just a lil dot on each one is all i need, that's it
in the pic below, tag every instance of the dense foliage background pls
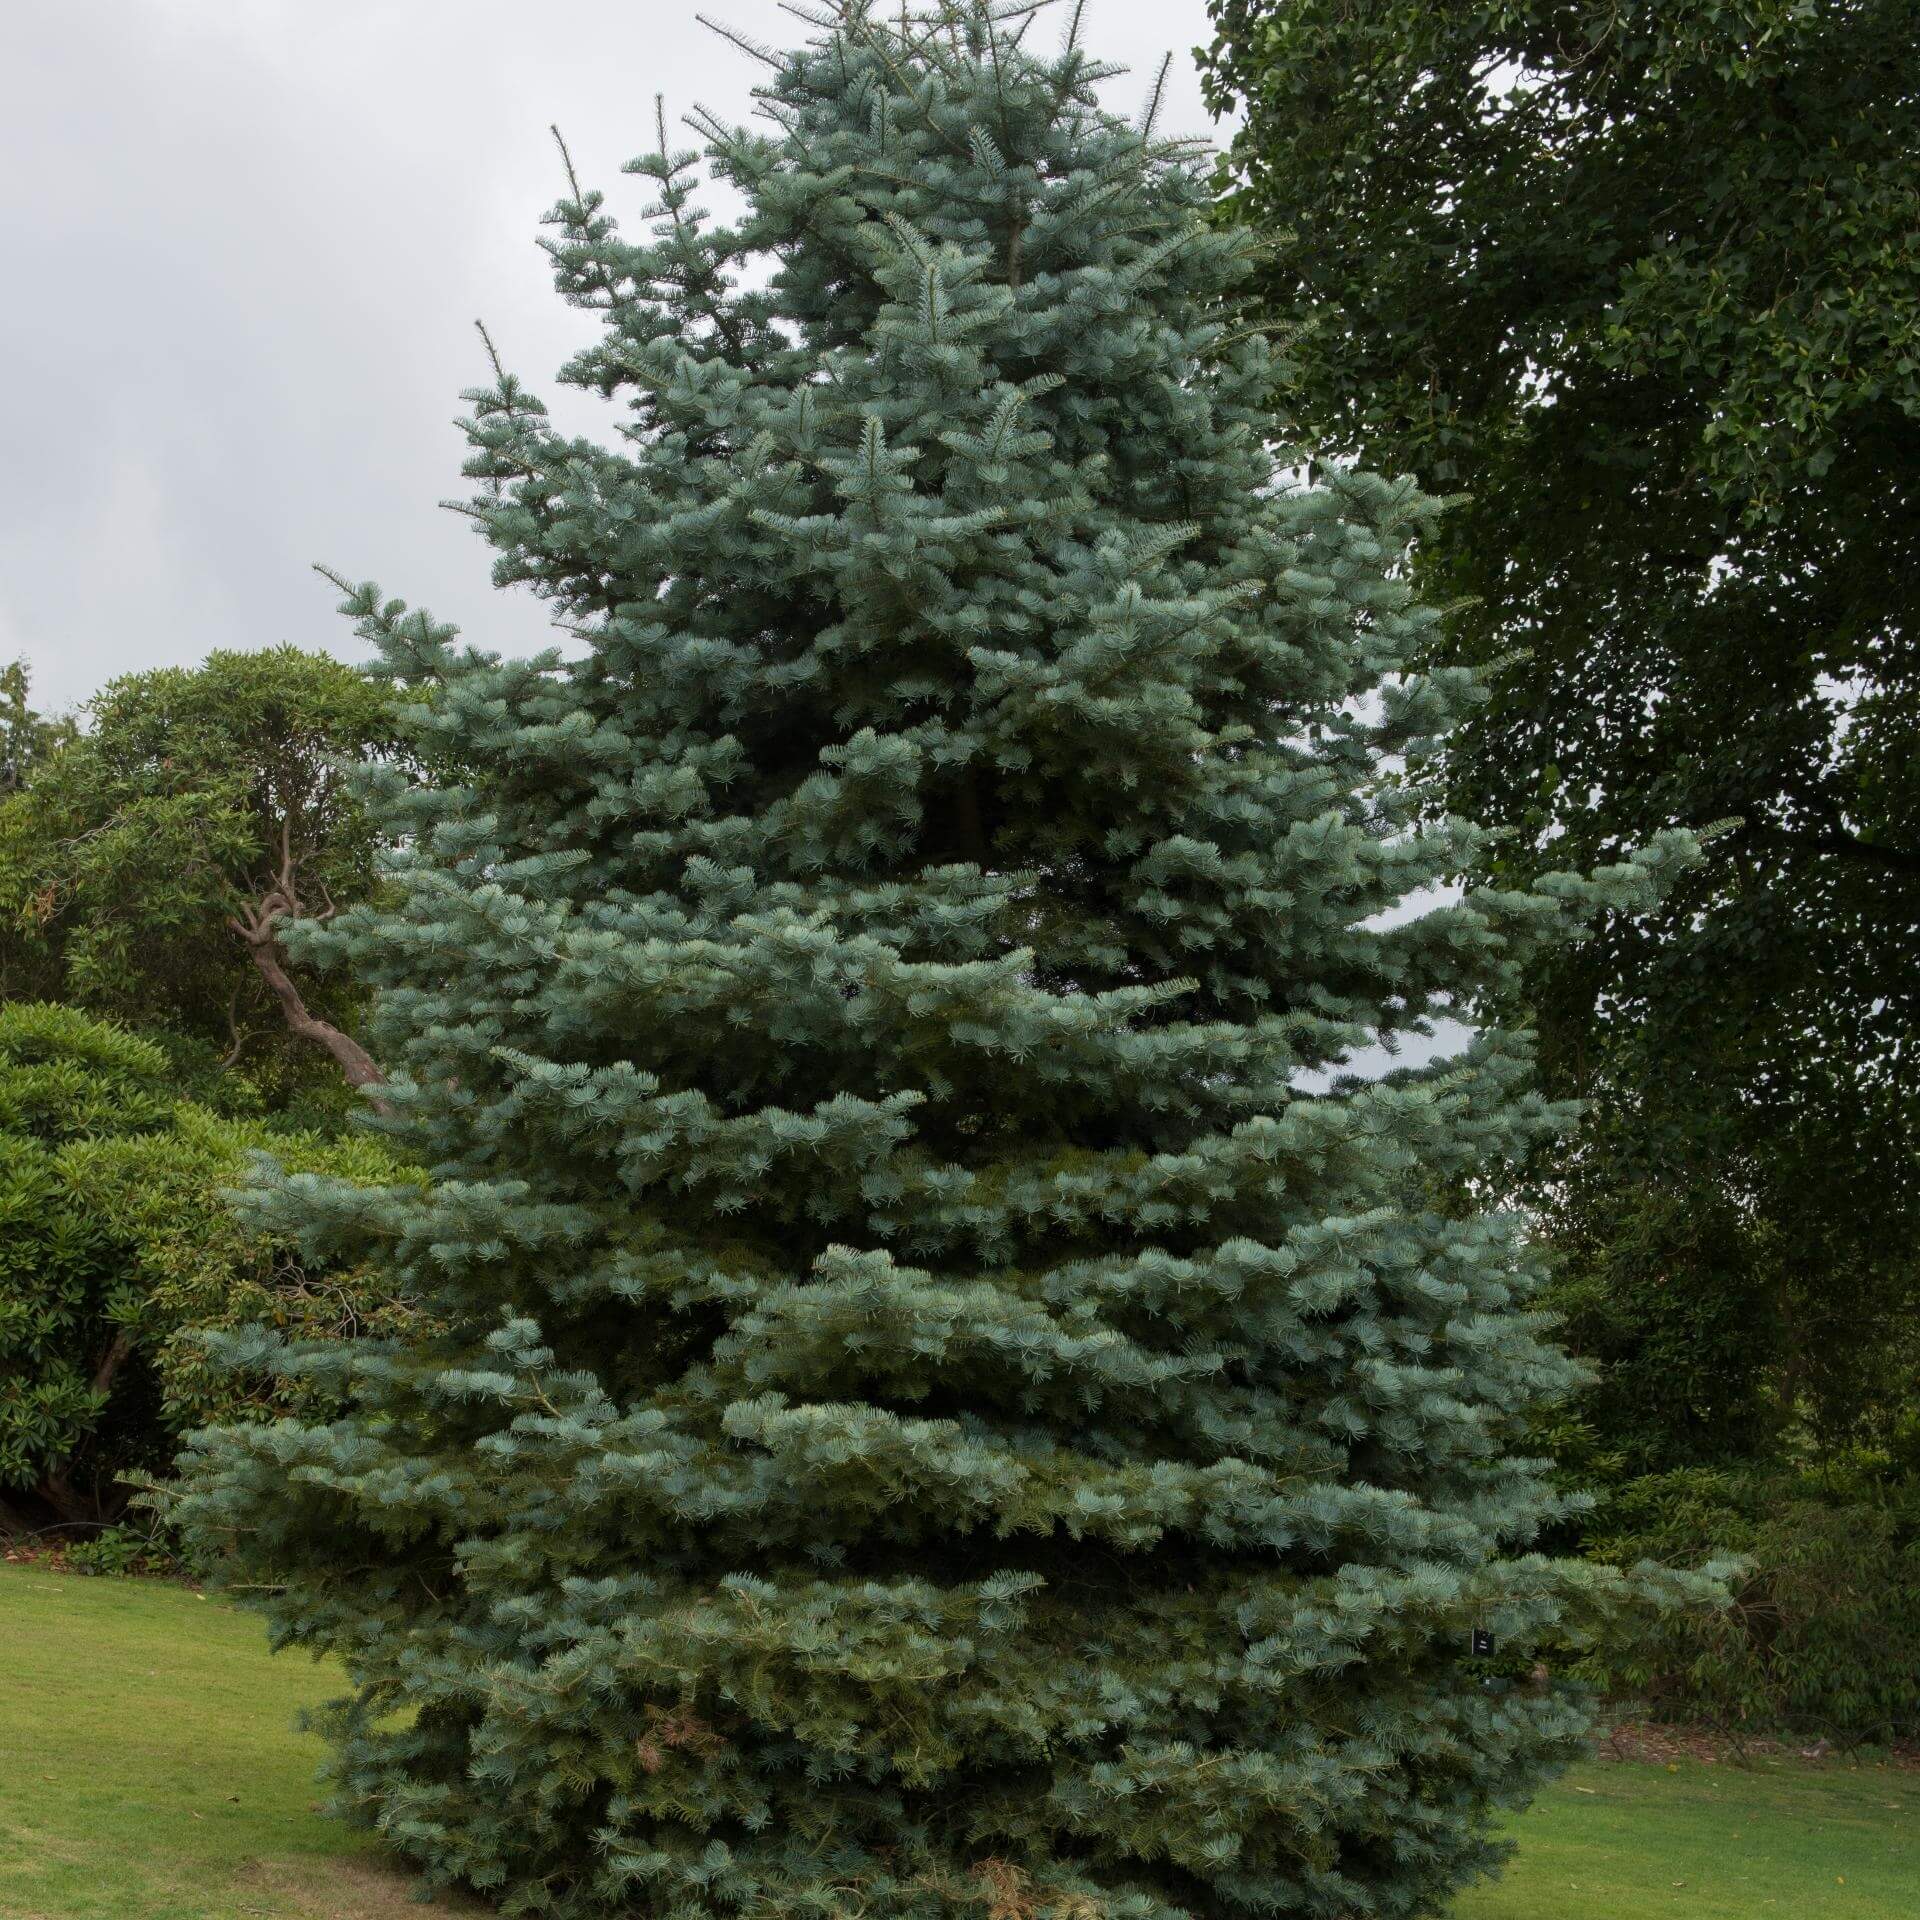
(1640, 284)
(151, 852)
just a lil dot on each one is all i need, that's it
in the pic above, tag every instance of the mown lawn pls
(148, 1767)
(1624, 1841)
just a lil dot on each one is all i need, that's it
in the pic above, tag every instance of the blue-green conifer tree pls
(949, 1405)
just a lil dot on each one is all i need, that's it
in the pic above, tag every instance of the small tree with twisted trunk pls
(151, 868)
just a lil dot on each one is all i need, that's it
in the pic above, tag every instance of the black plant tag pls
(1482, 1642)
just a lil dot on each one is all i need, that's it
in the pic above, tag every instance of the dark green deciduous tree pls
(1642, 282)
(146, 865)
(928, 1411)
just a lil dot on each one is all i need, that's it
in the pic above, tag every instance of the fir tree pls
(949, 1405)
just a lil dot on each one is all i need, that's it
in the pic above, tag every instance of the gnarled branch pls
(258, 925)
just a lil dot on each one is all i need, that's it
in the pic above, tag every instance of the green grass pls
(148, 1767)
(1624, 1841)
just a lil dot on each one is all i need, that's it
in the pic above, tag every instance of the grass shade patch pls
(149, 1766)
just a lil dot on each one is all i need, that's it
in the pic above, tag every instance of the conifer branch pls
(566, 160)
(876, 45)
(754, 49)
(493, 355)
(1151, 111)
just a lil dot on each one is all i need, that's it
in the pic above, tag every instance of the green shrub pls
(1821, 1635)
(79, 1405)
(200, 1270)
(123, 1550)
(119, 1253)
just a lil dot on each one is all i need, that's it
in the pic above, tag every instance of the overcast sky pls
(246, 242)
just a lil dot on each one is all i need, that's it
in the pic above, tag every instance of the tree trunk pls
(117, 1350)
(354, 1061)
(56, 1491)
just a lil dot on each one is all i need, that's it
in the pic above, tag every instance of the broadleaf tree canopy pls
(1641, 283)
